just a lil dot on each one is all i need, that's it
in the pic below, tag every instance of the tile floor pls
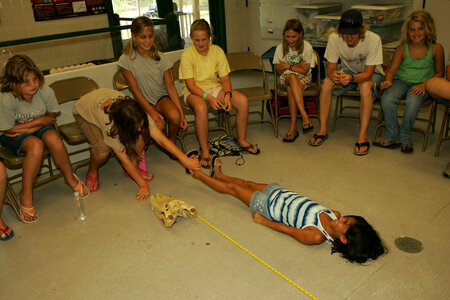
(123, 252)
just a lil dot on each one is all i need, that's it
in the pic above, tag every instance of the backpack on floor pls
(225, 145)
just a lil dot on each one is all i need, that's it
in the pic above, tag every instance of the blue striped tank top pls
(297, 211)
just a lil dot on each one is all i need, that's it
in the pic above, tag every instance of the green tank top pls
(416, 70)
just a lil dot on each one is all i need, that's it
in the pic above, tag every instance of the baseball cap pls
(351, 22)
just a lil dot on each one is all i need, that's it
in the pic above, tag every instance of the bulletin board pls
(44, 10)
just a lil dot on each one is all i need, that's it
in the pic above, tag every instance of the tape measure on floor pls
(257, 258)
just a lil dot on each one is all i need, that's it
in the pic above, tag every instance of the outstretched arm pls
(307, 236)
(167, 144)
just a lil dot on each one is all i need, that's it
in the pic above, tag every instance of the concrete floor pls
(122, 251)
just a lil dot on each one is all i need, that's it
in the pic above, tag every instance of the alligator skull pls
(167, 209)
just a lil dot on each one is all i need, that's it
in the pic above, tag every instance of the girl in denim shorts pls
(28, 111)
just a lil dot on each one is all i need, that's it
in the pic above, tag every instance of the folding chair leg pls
(444, 128)
(336, 111)
(11, 199)
(430, 124)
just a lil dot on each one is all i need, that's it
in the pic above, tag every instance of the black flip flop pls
(290, 137)
(359, 145)
(190, 154)
(316, 137)
(390, 145)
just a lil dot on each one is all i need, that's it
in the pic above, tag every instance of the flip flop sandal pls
(214, 159)
(251, 146)
(81, 188)
(359, 145)
(94, 181)
(317, 137)
(290, 137)
(308, 128)
(191, 154)
(389, 145)
(29, 211)
(4, 236)
(407, 148)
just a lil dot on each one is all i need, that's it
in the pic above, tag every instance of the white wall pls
(440, 10)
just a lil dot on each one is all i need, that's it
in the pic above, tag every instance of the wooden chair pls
(221, 118)
(443, 133)
(312, 91)
(249, 61)
(68, 90)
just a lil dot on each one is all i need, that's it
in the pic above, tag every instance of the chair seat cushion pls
(72, 134)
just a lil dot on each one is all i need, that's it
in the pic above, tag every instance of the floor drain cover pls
(408, 244)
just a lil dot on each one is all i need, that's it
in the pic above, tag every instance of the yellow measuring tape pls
(257, 258)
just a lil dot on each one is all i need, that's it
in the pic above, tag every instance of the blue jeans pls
(389, 101)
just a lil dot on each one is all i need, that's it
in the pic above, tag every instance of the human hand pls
(304, 65)
(282, 66)
(258, 218)
(47, 120)
(158, 119)
(345, 79)
(183, 123)
(143, 193)
(215, 103)
(336, 77)
(227, 105)
(418, 90)
(192, 164)
(385, 85)
(11, 133)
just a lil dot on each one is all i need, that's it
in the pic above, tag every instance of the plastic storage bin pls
(307, 12)
(381, 14)
(325, 25)
(389, 32)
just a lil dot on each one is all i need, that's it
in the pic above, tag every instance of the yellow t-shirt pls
(206, 70)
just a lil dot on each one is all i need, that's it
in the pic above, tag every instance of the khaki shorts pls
(93, 134)
(212, 91)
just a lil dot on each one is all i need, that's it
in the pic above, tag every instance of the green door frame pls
(217, 19)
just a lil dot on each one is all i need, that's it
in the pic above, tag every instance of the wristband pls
(144, 186)
(204, 96)
(353, 78)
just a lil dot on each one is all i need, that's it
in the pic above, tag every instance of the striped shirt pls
(297, 211)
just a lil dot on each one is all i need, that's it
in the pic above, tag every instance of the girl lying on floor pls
(305, 220)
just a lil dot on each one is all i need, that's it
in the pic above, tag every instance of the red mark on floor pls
(193, 244)
(207, 244)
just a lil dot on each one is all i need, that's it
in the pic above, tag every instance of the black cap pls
(351, 22)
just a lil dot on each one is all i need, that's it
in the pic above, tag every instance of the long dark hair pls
(363, 242)
(129, 121)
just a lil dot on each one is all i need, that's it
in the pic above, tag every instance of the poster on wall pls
(57, 9)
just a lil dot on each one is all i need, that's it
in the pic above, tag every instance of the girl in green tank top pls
(417, 59)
